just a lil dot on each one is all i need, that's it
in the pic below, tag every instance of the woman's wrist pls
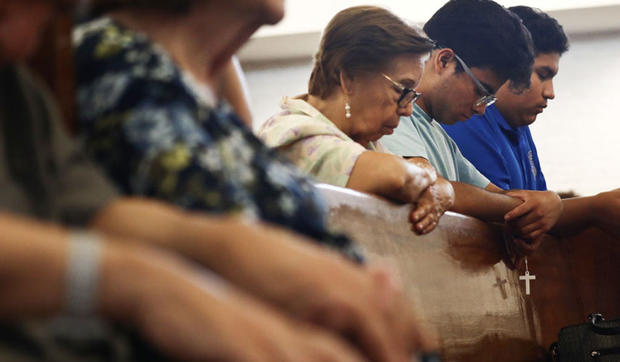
(124, 276)
(33, 262)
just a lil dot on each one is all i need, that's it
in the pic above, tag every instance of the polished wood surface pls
(461, 280)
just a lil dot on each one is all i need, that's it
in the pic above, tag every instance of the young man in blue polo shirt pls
(500, 145)
(499, 142)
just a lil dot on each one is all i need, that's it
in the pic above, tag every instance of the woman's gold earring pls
(347, 110)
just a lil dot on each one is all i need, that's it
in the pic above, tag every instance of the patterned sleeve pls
(155, 137)
(328, 159)
(314, 144)
(139, 119)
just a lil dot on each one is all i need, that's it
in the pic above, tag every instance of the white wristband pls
(83, 273)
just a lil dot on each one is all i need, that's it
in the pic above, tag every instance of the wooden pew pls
(460, 279)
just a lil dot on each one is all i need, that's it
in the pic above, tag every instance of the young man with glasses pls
(500, 145)
(480, 46)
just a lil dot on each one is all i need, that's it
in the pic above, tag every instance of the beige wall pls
(578, 135)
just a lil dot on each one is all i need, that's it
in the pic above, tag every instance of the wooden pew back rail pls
(460, 281)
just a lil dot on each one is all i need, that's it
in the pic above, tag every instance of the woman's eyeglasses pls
(407, 95)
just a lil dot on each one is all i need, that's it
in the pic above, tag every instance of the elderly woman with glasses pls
(363, 82)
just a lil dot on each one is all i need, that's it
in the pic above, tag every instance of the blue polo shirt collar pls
(494, 113)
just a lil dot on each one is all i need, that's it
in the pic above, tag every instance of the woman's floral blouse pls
(155, 134)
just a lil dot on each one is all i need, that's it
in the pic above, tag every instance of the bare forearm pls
(389, 176)
(32, 267)
(33, 271)
(213, 241)
(582, 212)
(134, 276)
(143, 220)
(482, 204)
(194, 235)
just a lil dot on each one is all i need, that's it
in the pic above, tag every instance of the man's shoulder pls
(437, 134)
(476, 132)
(407, 129)
(475, 124)
(408, 139)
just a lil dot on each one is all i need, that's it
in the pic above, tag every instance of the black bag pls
(598, 340)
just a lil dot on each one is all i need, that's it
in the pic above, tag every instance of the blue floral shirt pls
(144, 121)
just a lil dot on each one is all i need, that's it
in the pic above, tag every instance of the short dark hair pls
(485, 35)
(362, 39)
(548, 35)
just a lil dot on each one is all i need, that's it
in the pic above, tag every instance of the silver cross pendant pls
(527, 277)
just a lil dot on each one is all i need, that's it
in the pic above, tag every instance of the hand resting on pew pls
(287, 270)
(577, 214)
(538, 213)
(184, 312)
(432, 203)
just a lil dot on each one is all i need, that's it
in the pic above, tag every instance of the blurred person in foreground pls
(123, 271)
